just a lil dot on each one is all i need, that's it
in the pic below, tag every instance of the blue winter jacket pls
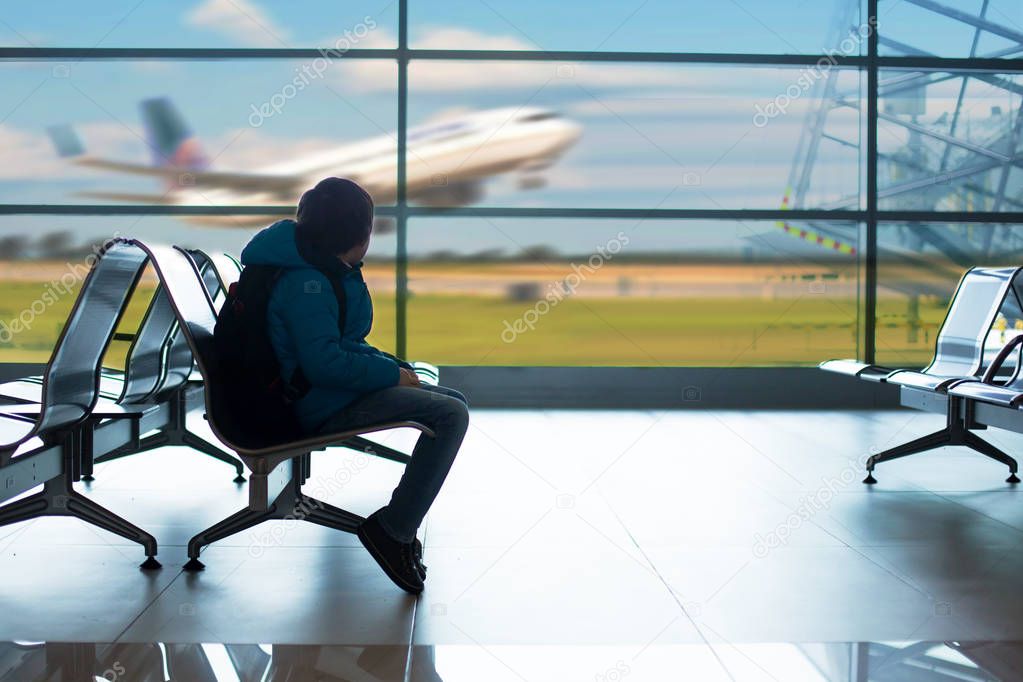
(303, 327)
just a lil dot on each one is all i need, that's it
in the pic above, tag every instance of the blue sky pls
(746, 26)
(645, 126)
(725, 25)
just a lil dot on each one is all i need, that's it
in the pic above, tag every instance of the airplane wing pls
(69, 146)
(198, 178)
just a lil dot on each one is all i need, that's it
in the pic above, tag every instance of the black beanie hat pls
(333, 216)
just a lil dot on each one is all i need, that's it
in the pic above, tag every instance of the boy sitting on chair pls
(351, 383)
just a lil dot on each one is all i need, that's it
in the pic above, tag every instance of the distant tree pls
(445, 255)
(13, 247)
(539, 253)
(487, 255)
(54, 244)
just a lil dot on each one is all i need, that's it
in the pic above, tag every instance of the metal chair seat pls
(986, 393)
(921, 380)
(853, 368)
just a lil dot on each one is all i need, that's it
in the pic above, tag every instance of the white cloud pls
(27, 154)
(240, 21)
(461, 76)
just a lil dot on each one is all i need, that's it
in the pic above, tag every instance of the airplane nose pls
(569, 134)
(574, 131)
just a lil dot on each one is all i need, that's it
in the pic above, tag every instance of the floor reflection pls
(208, 662)
(213, 662)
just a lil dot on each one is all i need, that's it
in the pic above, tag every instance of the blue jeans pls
(444, 410)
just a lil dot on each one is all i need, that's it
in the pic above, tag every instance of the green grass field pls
(469, 329)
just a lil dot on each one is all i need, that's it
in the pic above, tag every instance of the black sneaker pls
(417, 552)
(396, 558)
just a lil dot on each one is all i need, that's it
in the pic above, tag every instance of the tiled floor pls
(565, 545)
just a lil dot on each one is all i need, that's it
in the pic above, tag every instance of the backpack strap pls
(298, 385)
(337, 284)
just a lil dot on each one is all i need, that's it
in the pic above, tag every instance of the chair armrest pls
(427, 373)
(996, 364)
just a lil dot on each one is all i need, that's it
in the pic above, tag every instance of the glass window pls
(655, 26)
(43, 260)
(919, 266)
(647, 293)
(966, 28)
(626, 135)
(535, 134)
(950, 141)
(200, 23)
(200, 133)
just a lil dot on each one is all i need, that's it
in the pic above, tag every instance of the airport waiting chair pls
(277, 471)
(962, 353)
(994, 402)
(145, 368)
(153, 385)
(173, 395)
(43, 443)
(960, 345)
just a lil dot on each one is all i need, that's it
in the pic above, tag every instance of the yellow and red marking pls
(810, 235)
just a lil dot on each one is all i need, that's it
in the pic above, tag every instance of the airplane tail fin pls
(169, 137)
(66, 141)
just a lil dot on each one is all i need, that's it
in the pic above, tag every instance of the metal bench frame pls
(171, 389)
(956, 359)
(153, 389)
(68, 404)
(989, 402)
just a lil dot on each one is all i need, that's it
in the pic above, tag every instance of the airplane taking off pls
(448, 159)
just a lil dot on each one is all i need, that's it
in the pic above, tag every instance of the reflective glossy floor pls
(566, 545)
(209, 662)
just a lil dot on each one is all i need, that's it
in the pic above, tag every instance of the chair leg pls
(59, 498)
(376, 449)
(204, 446)
(83, 508)
(985, 448)
(316, 511)
(157, 440)
(290, 504)
(24, 509)
(236, 523)
(186, 438)
(922, 444)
